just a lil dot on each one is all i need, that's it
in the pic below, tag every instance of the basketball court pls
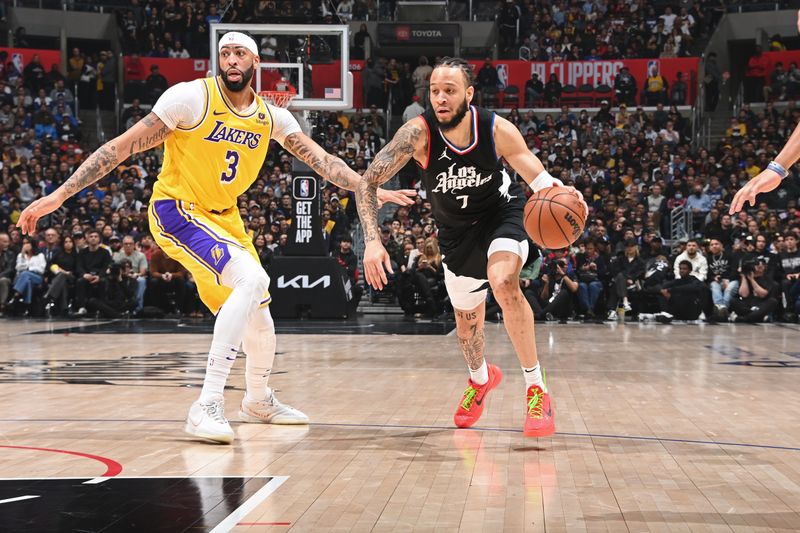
(659, 428)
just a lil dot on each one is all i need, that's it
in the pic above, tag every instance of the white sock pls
(259, 346)
(249, 282)
(481, 375)
(533, 376)
(221, 357)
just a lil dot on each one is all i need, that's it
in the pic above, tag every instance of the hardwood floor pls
(659, 428)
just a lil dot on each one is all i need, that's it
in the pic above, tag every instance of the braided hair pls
(461, 64)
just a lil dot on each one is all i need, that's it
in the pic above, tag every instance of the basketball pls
(554, 217)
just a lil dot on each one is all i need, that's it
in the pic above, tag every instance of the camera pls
(748, 266)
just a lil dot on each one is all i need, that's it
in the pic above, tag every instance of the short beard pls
(455, 121)
(243, 83)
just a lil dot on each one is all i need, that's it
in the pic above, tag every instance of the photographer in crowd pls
(755, 300)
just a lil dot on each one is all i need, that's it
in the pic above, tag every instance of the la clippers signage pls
(305, 234)
(595, 73)
(389, 34)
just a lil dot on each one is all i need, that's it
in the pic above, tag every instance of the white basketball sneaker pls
(270, 411)
(207, 421)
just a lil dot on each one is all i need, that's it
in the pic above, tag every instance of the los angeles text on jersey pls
(461, 178)
(233, 135)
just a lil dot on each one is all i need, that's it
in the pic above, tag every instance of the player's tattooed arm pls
(154, 135)
(326, 165)
(410, 139)
(144, 135)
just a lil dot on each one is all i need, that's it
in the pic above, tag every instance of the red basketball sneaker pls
(471, 407)
(539, 418)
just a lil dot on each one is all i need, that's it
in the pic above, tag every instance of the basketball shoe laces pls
(535, 405)
(469, 398)
(216, 411)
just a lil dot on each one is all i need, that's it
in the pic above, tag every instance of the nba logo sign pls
(502, 75)
(304, 188)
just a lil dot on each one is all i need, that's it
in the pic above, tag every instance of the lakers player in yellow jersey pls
(216, 133)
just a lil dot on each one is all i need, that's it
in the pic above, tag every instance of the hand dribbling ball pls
(555, 217)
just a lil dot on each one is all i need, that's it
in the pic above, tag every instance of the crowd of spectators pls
(632, 166)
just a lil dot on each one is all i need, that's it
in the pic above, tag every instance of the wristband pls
(778, 169)
(544, 180)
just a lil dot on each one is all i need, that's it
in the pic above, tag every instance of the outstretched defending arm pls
(411, 140)
(144, 135)
(770, 177)
(335, 170)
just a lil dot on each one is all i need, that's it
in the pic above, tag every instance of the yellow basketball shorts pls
(201, 242)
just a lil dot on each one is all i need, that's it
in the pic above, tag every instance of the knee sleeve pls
(244, 271)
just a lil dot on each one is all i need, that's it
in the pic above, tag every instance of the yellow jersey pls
(213, 162)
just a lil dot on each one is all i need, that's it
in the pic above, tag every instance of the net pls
(278, 98)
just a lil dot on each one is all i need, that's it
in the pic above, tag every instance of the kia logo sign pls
(303, 282)
(403, 33)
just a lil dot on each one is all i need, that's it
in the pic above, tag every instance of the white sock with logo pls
(259, 347)
(221, 357)
(533, 376)
(481, 375)
(249, 282)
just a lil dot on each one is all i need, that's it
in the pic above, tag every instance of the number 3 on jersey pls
(232, 158)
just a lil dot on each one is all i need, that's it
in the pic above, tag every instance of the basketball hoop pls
(278, 98)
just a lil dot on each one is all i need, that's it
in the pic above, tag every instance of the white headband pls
(234, 38)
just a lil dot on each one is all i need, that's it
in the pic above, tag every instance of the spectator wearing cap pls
(722, 276)
(414, 109)
(138, 270)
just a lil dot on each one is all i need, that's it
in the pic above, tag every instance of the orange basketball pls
(554, 217)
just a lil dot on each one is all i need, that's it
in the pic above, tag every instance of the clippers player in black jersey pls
(479, 212)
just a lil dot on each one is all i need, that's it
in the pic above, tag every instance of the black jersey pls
(467, 185)
(474, 199)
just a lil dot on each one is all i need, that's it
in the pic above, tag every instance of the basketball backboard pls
(312, 58)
